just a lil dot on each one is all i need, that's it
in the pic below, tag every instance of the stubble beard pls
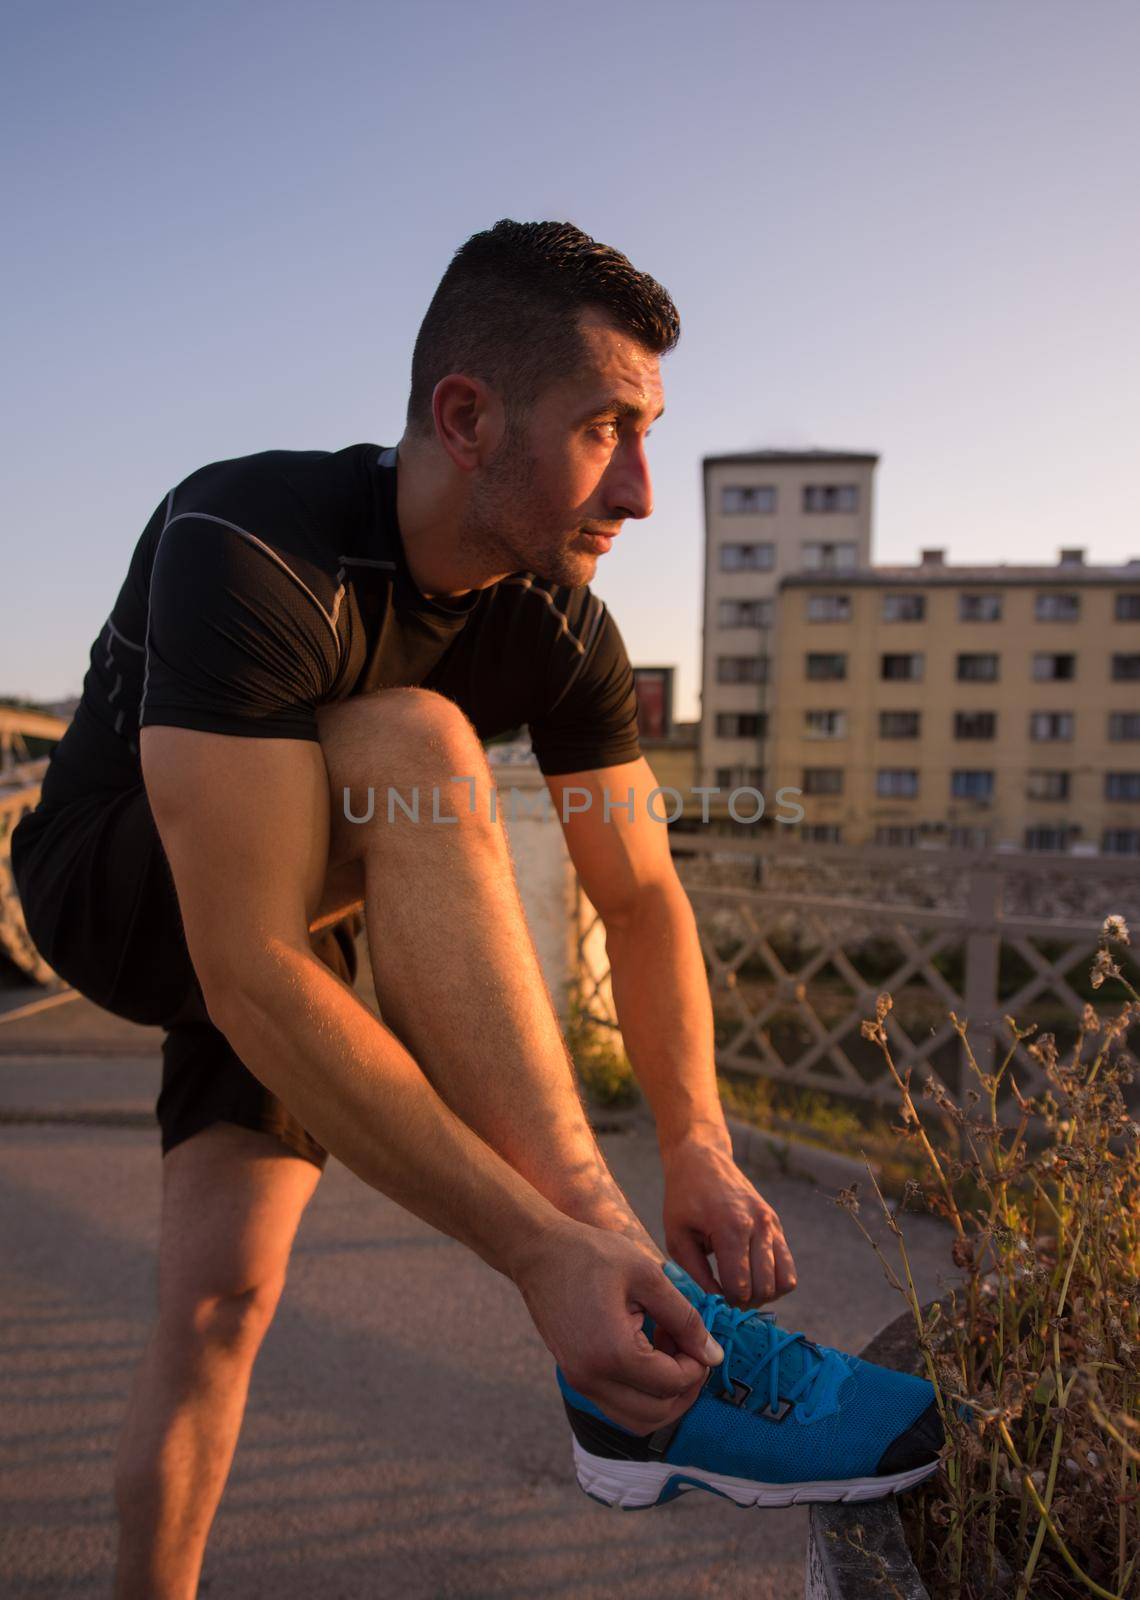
(505, 521)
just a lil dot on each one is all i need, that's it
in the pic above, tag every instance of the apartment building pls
(768, 514)
(973, 706)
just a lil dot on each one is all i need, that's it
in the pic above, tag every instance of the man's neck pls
(429, 519)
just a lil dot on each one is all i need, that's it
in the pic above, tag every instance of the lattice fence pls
(793, 974)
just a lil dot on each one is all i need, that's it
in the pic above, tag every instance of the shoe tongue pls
(794, 1359)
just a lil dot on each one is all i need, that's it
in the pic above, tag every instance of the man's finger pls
(734, 1266)
(681, 1320)
(688, 1252)
(763, 1267)
(785, 1266)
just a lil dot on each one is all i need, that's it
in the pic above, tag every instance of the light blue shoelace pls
(814, 1394)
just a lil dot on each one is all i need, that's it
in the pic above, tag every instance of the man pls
(294, 629)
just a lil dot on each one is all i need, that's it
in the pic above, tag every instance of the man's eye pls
(601, 426)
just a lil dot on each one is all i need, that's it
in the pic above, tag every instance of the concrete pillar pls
(557, 911)
(548, 884)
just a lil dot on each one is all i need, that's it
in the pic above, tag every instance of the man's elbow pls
(238, 983)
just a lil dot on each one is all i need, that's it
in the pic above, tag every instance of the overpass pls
(17, 726)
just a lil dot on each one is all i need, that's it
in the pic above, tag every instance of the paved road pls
(404, 1433)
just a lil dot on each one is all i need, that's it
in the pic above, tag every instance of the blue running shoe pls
(780, 1422)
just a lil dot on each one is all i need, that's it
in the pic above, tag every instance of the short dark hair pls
(506, 311)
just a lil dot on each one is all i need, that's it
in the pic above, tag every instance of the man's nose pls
(629, 491)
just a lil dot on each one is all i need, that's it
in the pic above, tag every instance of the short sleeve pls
(593, 721)
(235, 642)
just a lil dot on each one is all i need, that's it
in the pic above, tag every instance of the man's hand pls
(711, 1206)
(588, 1291)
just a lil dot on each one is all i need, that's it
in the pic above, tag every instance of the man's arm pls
(656, 965)
(664, 1009)
(245, 826)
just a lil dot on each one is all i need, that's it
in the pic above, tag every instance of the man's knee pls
(401, 753)
(196, 1328)
(232, 1322)
(405, 727)
(232, 1200)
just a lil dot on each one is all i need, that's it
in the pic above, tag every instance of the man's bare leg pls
(231, 1202)
(456, 972)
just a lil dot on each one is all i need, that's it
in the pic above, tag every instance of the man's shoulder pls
(274, 477)
(307, 505)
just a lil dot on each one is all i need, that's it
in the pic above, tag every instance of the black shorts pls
(99, 900)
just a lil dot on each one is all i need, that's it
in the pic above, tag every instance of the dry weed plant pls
(1035, 1351)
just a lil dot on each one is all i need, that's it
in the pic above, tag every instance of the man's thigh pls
(231, 1202)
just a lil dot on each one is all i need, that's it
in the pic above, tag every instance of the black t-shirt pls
(267, 585)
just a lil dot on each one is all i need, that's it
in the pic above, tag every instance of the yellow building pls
(973, 706)
(768, 513)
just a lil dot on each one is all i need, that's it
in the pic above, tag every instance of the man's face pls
(576, 469)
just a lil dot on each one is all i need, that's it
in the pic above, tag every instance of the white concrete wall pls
(557, 911)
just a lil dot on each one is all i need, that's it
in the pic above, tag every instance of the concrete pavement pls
(404, 1434)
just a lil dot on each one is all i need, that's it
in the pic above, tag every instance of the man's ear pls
(470, 420)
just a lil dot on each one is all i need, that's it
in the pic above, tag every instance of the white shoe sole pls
(632, 1485)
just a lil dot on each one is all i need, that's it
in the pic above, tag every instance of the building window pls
(825, 724)
(1122, 786)
(740, 499)
(1048, 838)
(741, 725)
(969, 838)
(742, 669)
(971, 784)
(1121, 842)
(896, 783)
(829, 608)
(1054, 606)
(819, 665)
(975, 724)
(901, 838)
(831, 497)
(904, 607)
(822, 832)
(1124, 724)
(823, 780)
(1046, 725)
(740, 777)
(1125, 669)
(747, 557)
(830, 557)
(1047, 786)
(979, 608)
(745, 613)
(973, 668)
(899, 724)
(1048, 668)
(1128, 608)
(893, 668)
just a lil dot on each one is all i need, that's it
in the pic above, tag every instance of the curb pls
(753, 1146)
(764, 1147)
(854, 1551)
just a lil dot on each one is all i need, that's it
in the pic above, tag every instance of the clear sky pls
(910, 226)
